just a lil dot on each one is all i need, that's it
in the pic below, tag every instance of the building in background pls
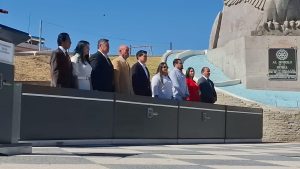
(31, 45)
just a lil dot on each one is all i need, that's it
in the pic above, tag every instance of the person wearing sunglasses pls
(161, 84)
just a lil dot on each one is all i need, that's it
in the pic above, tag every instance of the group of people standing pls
(98, 72)
(176, 85)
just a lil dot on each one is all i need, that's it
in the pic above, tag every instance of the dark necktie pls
(147, 74)
(210, 84)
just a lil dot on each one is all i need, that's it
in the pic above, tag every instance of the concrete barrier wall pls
(145, 118)
(10, 113)
(201, 121)
(51, 113)
(62, 114)
(243, 123)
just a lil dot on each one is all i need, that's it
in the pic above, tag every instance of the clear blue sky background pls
(185, 23)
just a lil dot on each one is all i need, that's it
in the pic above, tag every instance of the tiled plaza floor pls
(211, 156)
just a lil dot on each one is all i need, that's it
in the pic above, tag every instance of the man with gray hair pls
(102, 74)
(207, 87)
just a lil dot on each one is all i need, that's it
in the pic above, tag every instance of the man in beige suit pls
(122, 72)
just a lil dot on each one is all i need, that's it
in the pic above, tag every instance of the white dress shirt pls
(144, 67)
(63, 49)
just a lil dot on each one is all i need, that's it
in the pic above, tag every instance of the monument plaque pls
(282, 64)
(6, 52)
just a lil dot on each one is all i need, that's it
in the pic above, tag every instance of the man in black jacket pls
(207, 87)
(140, 75)
(102, 69)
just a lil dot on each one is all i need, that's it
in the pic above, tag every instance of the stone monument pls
(257, 41)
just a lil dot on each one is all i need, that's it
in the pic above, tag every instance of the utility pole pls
(40, 36)
(29, 20)
(171, 45)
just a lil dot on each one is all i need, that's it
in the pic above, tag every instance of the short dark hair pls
(175, 61)
(100, 41)
(140, 53)
(62, 37)
(203, 69)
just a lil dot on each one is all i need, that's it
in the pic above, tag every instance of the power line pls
(107, 36)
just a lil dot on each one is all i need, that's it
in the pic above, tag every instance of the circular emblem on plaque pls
(282, 54)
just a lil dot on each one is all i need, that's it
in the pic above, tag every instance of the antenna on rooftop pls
(29, 22)
(149, 47)
(40, 36)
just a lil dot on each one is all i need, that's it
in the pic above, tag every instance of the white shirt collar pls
(63, 49)
(204, 77)
(144, 65)
(103, 54)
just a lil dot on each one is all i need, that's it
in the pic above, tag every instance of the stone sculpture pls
(279, 15)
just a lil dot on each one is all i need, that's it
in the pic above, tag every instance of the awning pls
(12, 35)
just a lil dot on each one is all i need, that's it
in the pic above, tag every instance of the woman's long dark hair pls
(79, 50)
(159, 70)
(187, 73)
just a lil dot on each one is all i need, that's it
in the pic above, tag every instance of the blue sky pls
(185, 23)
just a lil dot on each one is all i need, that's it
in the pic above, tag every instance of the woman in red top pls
(193, 87)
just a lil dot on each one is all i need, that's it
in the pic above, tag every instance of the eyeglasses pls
(165, 67)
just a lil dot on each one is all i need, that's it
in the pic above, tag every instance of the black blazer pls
(140, 81)
(61, 70)
(208, 92)
(102, 74)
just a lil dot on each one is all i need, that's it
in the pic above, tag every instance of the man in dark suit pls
(60, 64)
(207, 87)
(102, 69)
(140, 75)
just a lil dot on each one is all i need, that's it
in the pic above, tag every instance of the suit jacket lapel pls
(127, 65)
(210, 83)
(108, 60)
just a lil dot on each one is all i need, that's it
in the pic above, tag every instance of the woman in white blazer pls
(81, 66)
(161, 84)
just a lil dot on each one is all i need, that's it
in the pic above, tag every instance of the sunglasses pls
(165, 67)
